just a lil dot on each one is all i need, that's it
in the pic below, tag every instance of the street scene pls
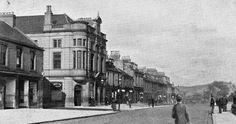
(117, 62)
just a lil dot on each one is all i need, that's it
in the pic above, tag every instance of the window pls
(32, 60)
(84, 59)
(79, 42)
(56, 43)
(74, 42)
(101, 65)
(57, 60)
(18, 57)
(74, 59)
(79, 59)
(84, 42)
(3, 52)
(91, 62)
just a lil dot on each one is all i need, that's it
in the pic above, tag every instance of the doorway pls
(77, 95)
(2, 94)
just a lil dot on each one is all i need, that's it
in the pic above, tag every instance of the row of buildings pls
(52, 60)
(139, 84)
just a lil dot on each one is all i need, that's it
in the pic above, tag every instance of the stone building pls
(124, 63)
(75, 54)
(21, 67)
(118, 83)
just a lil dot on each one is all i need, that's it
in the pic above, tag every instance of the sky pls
(192, 41)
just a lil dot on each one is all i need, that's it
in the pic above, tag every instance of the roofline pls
(22, 44)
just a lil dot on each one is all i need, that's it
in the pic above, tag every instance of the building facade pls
(75, 54)
(21, 67)
(118, 83)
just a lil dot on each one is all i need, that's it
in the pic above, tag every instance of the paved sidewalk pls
(25, 115)
(108, 107)
(224, 117)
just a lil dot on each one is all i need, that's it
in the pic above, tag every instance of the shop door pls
(77, 95)
(33, 89)
(2, 94)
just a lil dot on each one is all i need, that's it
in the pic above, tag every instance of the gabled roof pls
(34, 24)
(13, 34)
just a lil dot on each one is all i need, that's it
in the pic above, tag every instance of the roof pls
(13, 34)
(34, 24)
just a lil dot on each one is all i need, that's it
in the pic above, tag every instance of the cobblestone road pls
(198, 114)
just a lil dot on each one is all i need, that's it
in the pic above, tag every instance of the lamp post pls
(102, 94)
(119, 91)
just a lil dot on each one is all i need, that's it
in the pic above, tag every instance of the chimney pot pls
(49, 8)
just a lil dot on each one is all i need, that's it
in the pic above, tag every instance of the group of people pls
(221, 102)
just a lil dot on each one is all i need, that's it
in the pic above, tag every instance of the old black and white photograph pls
(117, 61)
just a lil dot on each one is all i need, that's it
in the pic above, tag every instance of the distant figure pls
(219, 104)
(179, 112)
(224, 103)
(153, 101)
(113, 104)
(129, 100)
(106, 100)
(212, 104)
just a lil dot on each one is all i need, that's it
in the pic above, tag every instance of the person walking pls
(212, 104)
(220, 104)
(179, 112)
(224, 103)
(153, 101)
(129, 100)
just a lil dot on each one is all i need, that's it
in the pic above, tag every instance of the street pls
(158, 115)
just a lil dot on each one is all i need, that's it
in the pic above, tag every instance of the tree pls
(223, 88)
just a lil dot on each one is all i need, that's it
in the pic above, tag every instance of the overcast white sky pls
(193, 41)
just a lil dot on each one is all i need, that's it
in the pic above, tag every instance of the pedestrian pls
(179, 112)
(113, 104)
(220, 104)
(129, 102)
(212, 104)
(224, 103)
(153, 101)
(106, 100)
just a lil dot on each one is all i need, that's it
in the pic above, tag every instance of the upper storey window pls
(57, 60)
(79, 42)
(32, 60)
(3, 54)
(56, 43)
(18, 57)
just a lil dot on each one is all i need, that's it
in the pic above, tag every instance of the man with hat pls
(179, 112)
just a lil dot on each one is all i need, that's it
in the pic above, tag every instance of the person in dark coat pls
(212, 104)
(220, 103)
(153, 101)
(224, 103)
(179, 112)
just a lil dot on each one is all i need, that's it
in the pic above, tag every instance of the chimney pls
(48, 18)
(9, 18)
(115, 55)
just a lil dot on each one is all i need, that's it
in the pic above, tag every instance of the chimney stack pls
(48, 18)
(9, 18)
